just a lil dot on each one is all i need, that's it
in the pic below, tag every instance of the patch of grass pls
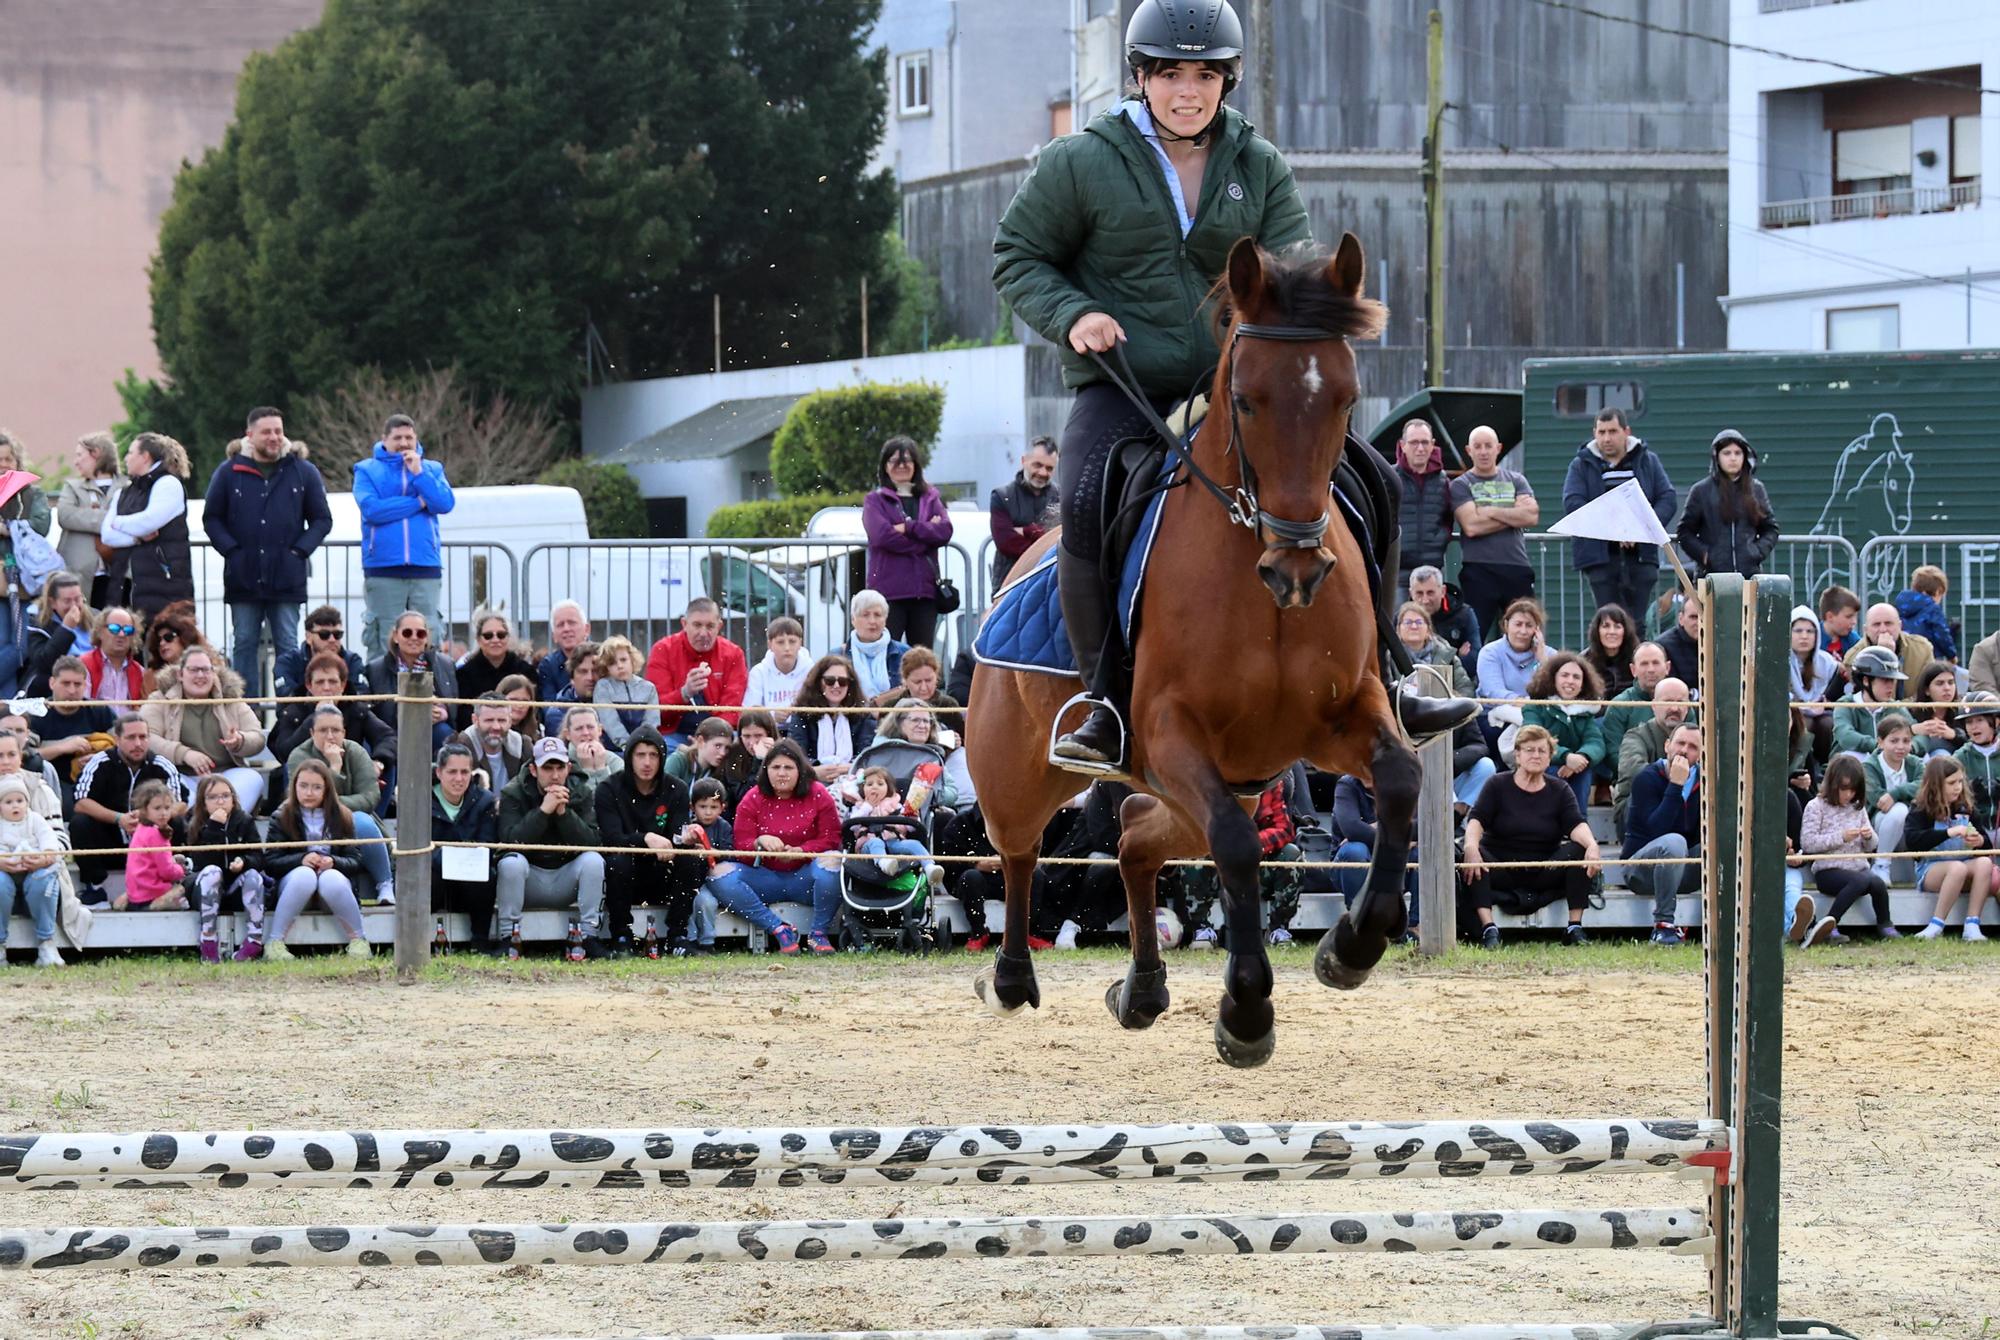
(68, 1101)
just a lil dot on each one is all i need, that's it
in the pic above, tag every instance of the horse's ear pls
(1246, 275)
(1347, 267)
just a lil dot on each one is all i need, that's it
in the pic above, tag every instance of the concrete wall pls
(100, 101)
(985, 426)
(1942, 270)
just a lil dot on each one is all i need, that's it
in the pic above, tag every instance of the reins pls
(1241, 501)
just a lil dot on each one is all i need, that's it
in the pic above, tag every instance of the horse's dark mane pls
(1300, 295)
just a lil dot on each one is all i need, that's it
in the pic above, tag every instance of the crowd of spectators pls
(595, 776)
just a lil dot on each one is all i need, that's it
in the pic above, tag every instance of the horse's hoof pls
(988, 990)
(1240, 1054)
(1122, 1001)
(1331, 969)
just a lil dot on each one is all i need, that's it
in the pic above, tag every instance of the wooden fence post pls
(413, 825)
(1437, 876)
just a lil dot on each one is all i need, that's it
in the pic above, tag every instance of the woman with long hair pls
(1835, 828)
(1727, 525)
(1613, 640)
(789, 820)
(830, 740)
(908, 524)
(1940, 820)
(1935, 726)
(199, 720)
(81, 506)
(313, 815)
(144, 538)
(491, 659)
(1565, 685)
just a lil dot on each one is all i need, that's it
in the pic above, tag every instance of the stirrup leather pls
(1115, 770)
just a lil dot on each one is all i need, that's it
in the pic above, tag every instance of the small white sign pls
(466, 865)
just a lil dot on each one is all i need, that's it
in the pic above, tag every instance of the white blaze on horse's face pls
(1312, 378)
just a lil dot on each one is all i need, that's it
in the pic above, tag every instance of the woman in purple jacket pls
(907, 524)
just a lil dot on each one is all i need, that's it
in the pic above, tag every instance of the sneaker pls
(1822, 931)
(1205, 937)
(1489, 938)
(47, 957)
(248, 950)
(92, 895)
(1802, 919)
(1665, 934)
(818, 943)
(976, 944)
(1279, 936)
(1880, 868)
(1888, 933)
(1972, 931)
(1170, 927)
(385, 894)
(1932, 931)
(1574, 934)
(278, 952)
(596, 947)
(211, 951)
(359, 949)
(1066, 936)
(786, 938)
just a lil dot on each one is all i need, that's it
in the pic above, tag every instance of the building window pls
(1875, 159)
(756, 485)
(913, 84)
(1965, 148)
(1582, 400)
(1863, 329)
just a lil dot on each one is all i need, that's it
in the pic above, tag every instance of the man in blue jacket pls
(1620, 571)
(1664, 822)
(401, 496)
(265, 513)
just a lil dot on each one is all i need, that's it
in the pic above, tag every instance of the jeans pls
(248, 619)
(374, 856)
(1664, 883)
(387, 597)
(878, 847)
(749, 891)
(1466, 786)
(1625, 580)
(39, 888)
(579, 880)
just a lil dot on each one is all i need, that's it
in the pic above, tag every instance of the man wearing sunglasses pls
(410, 649)
(266, 514)
(326, 631)
(112, 663)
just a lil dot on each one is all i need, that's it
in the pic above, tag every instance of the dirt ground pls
(1891, 1204)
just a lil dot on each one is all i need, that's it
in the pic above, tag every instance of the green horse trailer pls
(1875, 463)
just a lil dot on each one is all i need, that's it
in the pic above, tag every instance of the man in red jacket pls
(698, 665)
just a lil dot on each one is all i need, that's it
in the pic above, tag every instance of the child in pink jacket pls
(154, 876)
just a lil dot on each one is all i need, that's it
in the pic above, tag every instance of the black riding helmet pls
(1186, 30)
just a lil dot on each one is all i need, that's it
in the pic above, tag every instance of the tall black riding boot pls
(1098, 745)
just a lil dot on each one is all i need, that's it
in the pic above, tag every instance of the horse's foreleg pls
(1245, 1034)
(1148, 833)
(1350, 951)
(1011, 983)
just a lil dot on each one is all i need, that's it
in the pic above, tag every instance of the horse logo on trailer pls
(1873, 484)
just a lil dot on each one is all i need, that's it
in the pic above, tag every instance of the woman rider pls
(1115, 237)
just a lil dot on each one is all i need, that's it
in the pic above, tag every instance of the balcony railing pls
(1869, 205)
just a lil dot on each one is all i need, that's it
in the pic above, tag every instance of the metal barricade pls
(1971, 565)
(477, 574)
(639, 588)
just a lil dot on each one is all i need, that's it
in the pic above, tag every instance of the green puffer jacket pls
(1093, 229)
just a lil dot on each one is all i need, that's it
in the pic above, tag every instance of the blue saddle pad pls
(1024, 630)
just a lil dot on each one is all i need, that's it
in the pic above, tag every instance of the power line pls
(1713, 40)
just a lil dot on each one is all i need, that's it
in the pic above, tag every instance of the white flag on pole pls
(1622, 514)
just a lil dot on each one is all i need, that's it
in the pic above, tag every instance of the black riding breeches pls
(1099, 418)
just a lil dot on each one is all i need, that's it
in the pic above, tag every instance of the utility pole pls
(1264, 111)
(1434, 209)
(718, 332)
(864, 316)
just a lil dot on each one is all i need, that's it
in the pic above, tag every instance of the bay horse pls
(1257, 647)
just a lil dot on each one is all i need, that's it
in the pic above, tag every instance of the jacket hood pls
(1436, 462)
(1728, 437)
(381, 452)
(237, 447)
(1632, 448)
(228, 684)
(645, 735)
(1806, 612)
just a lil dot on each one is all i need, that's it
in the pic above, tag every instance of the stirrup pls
(1401, 690)
(1115, 771)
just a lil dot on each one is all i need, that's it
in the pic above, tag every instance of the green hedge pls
(832, 439)
(611, 501)
(773, 518)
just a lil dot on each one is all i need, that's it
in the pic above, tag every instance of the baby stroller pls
(884, 909)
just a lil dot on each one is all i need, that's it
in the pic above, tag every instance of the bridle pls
(1239, 501)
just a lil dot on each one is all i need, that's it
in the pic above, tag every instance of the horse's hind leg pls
(1149, 834)
(1350, 951)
